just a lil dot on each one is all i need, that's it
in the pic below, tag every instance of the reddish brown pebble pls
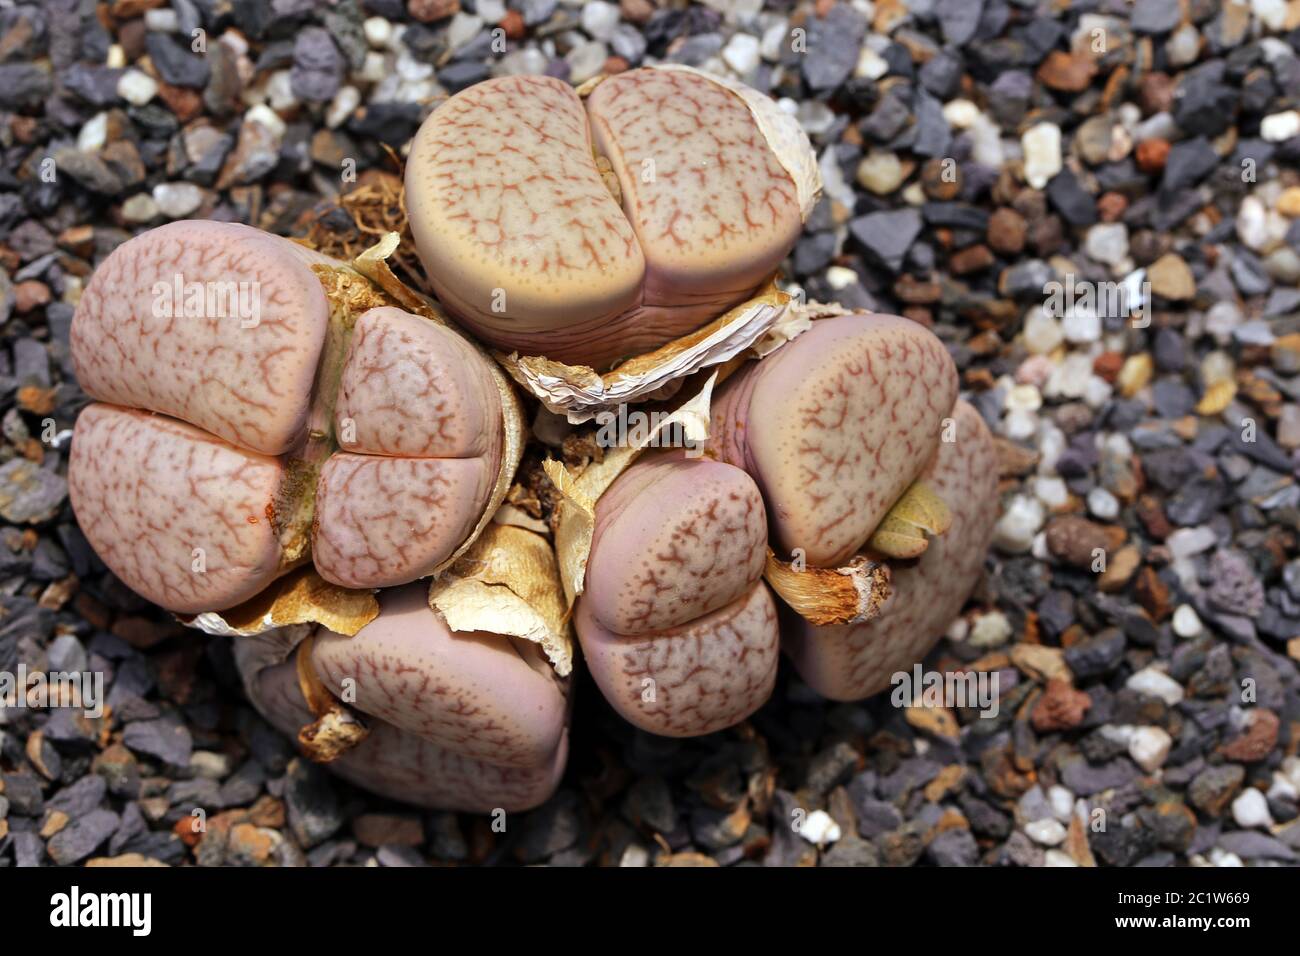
(130, 37)
(388, 829)
(971, 259)
(1151, 155)
(920, 315)
(1152, 515)
(1077, 540)
(1069, 72)
(185, 103)
(1258, 740)
(513, 25)
(941, 179)
(1156, 93)
(141, 633)
(24, 129)
(1107, 365)
(1006, 232)
(1152, 593)
(1060, 708)
(1048, 235)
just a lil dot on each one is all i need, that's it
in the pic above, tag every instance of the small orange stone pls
(1060, 708)
(1107, 365)
(187, 828)
(37, 400)
(513, 25)
(1069, 72)
(1151, 155)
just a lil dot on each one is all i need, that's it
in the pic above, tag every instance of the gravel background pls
(974, 151)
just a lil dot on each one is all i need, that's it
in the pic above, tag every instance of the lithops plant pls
(323, 432)
(854, 434)
(588, 231)
(677, 627)
(244, 423)
(402, 764)
(844, 467)
(258, 409)
(465, 721)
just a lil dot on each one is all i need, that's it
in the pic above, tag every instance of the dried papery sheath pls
(906, 529)
(301, 597)
(508, 583)
(581, 393)
(846, 595)
(337, 728)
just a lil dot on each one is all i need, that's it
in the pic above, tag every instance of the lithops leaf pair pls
(854, 434)
(677, 627)
(589, 231)
(246, 421)
(847, 446)
(468, 721)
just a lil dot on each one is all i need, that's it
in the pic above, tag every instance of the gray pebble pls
(313, 807)
(851, 851)
(833, 45)
(887, 236)
(177, 64)
(80, 798)
(30, 494)
(553, 827)
(318, 66)
(165, 738)
(1085, 778)
(955, 847)
(82, 837)
(23, 84)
